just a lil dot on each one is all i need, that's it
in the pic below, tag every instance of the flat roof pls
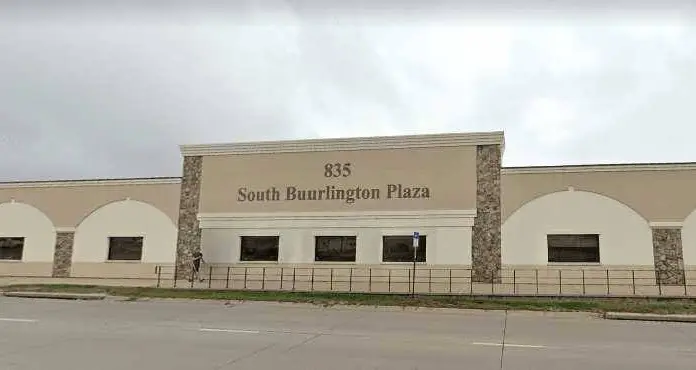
(347, 144)
(98, 181)
(602, 167)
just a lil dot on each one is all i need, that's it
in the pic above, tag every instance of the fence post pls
(293, 278)
(210, 277)
(311, 287)
(685, 285)
(450, 281)
(263, 278)
(583, 282)
(227, 281)
(633, 281)
(176, 274)
(492, 282)
(331, 280)
(282, 277)
(430, 280)
(412, 283)
(608, 291)
(159, 275)
(350, 281)
(245, 277)
(369, 282)
(514, 282)
(560, 282)
(193, 276)
(471, 281)
(389, 280)
(536, 277)
(659, 283)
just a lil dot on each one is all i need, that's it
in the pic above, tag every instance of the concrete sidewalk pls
(55, 295)
(648, 317)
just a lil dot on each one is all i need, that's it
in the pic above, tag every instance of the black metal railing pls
(458, 281)
(397, 279)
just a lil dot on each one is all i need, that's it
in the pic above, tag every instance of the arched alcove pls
(625, 236)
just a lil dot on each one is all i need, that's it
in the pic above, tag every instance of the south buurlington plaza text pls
(331, 192)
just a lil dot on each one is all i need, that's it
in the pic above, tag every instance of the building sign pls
(329, 192)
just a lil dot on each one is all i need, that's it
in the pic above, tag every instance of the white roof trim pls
(318, 220)
(601, 168)
(65, 229)
(667, 224)
(96, 182)
(354, 143)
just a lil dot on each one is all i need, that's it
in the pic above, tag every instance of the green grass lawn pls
(599, 305)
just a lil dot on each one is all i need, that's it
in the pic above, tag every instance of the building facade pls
(356, 202)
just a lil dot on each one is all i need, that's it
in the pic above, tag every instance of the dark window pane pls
(573, 248)
(399, 248)
(125, 248)
(259, 248)
(11, 248)
(335, 248)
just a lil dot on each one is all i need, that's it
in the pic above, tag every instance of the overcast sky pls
(97, 90)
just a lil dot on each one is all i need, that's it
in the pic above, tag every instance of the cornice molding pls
(336, 220)
(666, 225)
(600, 168)
(66, 229)
(94, 182)
(347, 144)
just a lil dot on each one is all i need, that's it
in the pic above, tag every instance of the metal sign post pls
(416, 238)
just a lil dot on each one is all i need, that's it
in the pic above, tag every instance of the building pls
(356, 202)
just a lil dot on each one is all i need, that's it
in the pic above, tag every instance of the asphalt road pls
(172, 335)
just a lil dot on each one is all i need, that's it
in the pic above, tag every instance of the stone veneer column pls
(667, 251)
(62, 256)
(485, 243)
(189, 235)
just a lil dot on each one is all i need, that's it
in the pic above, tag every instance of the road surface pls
(198, 335)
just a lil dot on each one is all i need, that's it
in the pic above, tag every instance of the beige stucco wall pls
(625, 236)
(125, 218)
(448, 172)
(659, 195)
(689, 240)
(114, 270)
(95, 210)
(448, 235)
(67, 203)
(25, 269)
(22, 220)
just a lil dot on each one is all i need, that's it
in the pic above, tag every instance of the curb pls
(649, 317)
(52, 295)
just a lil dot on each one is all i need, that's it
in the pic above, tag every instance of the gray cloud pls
(111, 92)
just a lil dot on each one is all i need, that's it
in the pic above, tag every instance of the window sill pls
(335, 262)
(574, 264)
(11, 261)
(123, 261)
(255, 262)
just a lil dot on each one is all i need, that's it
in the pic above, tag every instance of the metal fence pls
(452, 281)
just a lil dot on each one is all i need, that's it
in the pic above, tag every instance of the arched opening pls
(130, 235)
(27, 235)
(624, 236)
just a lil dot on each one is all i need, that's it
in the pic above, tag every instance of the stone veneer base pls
(189, 234)
(62, 256)
(486, 239)
(669, 260)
